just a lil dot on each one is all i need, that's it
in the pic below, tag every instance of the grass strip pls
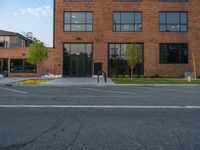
(153, 81)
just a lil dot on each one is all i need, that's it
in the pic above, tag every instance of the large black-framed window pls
(174, 21)
(21, 66)
(78, 21)
(127, 21)
(117, 59)
(173, 53)
(173, 0)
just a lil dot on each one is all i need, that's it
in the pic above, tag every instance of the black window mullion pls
(180, 27)
(85, 21)
(70, 22)
(166, 22)
(134, 24)
(120, 21)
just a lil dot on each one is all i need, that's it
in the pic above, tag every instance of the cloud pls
(43, 11)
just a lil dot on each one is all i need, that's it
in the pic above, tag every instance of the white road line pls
(108, 91)
(100, 106)
(11, 90)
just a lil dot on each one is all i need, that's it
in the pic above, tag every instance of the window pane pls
(184, 53)
(88, 27)
(116, 17)
(162, 18)
(183, 18)
(117, 28)
(88, 50)
(88, 17)
(78, 17)
(138, 27)
(173, 55)
(127, 17)
(183, 28)
(16, 65)
(138, 18)
(67, 18)
(67, 27)
(66, 48)
(162, 27)
(77, 27)
(173, 28)
(172, 18)
(127, 27)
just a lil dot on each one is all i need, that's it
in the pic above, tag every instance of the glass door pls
(74, 66)
(77, 66)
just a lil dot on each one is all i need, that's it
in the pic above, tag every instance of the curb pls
(101, 84)
(159, 85)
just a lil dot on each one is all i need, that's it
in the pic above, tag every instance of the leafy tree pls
(37, 52)
(132, 55)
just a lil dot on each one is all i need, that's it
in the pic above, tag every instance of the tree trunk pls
(131, 73)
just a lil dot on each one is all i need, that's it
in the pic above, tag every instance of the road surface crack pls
(19, 145)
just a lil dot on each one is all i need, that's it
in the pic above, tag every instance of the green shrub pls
(168, 76)
(127, 76)
(120, 76)
(114, 76)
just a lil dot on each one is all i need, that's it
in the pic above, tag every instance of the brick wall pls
(151, 37)
(21, 53)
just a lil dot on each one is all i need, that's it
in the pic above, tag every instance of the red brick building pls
(166, 33)
(93, 35)
(13, 56)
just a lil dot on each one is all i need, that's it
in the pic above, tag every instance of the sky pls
(34, 16)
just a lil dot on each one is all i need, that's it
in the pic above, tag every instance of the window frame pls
(71, 23)
(23, 66)
(166, 51)
(113, 25)
(166, 24)
(121, 43)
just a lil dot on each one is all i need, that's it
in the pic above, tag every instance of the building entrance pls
(77, 60)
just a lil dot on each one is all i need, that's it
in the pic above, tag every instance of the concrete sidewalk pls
(68, 81)
(77, 81)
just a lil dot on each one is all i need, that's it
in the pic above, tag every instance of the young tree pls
(132, 55)
(37, 52)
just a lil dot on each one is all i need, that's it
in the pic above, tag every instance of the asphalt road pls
(99, 118)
